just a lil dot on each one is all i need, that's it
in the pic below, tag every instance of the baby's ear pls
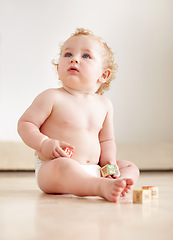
(105, 76)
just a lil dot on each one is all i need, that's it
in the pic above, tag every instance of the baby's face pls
(81, 63)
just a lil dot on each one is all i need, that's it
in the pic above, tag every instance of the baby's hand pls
(52, 148)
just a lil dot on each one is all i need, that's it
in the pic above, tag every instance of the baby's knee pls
(60, 166)
(136, 169)
(128, 164)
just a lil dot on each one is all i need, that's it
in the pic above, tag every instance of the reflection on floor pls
(28, 214)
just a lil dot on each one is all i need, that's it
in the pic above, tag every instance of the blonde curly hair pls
(108, 57)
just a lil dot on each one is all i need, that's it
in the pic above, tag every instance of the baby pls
(79, 117)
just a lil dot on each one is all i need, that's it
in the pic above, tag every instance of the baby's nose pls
(74, 60)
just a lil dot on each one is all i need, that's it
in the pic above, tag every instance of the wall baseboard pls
(153, 156)
(16, 155)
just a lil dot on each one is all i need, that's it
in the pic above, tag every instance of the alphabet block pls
(108, 169)
(69, 152)
(154, 191)
(141, 196)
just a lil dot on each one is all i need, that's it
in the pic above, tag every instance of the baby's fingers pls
(59, 152)
(64, 145)
(109, 176)
(116, 175)
(56, 154)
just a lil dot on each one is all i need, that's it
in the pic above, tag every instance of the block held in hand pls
(69, 151)
(108, 169)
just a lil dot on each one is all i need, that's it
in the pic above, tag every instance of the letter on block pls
(108, 169)
(69, 152)
(154, 191)
(141, 196)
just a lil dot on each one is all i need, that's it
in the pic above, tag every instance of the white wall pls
(139, 32)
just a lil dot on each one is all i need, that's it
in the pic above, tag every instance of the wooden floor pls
(28, 214)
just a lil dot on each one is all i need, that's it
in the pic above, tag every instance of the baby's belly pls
(86, 143)
(87, 149)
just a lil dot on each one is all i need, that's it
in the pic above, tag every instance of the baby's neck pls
(78, 93)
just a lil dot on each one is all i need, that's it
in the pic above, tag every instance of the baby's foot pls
(128, 187)
(111, 189)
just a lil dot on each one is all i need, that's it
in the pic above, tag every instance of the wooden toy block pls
(154, 191)
(108, 169)
(69, 152)
(141, 196)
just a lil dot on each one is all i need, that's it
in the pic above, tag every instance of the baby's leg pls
(64, 175)
(129, 172)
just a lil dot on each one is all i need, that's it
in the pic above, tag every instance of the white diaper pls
(38, 164)
(92, 169)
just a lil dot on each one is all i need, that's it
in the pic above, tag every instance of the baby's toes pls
(125, 191)
(129, 182)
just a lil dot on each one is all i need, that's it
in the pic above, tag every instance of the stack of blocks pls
(108, 169)
(145, 194)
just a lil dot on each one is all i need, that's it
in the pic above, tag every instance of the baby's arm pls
(107, 140)
(29, 127)
(32, 119)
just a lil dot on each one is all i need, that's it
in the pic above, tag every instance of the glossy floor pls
(28, 214)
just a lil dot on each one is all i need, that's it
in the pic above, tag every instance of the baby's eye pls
(68, 54)
(86, 55)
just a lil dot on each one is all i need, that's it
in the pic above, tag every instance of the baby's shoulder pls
(48, 97)
(51, 93)
(105, 101)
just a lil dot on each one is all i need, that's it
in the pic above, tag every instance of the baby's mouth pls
(73, 69)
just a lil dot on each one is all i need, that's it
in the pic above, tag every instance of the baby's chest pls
(80, 117)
